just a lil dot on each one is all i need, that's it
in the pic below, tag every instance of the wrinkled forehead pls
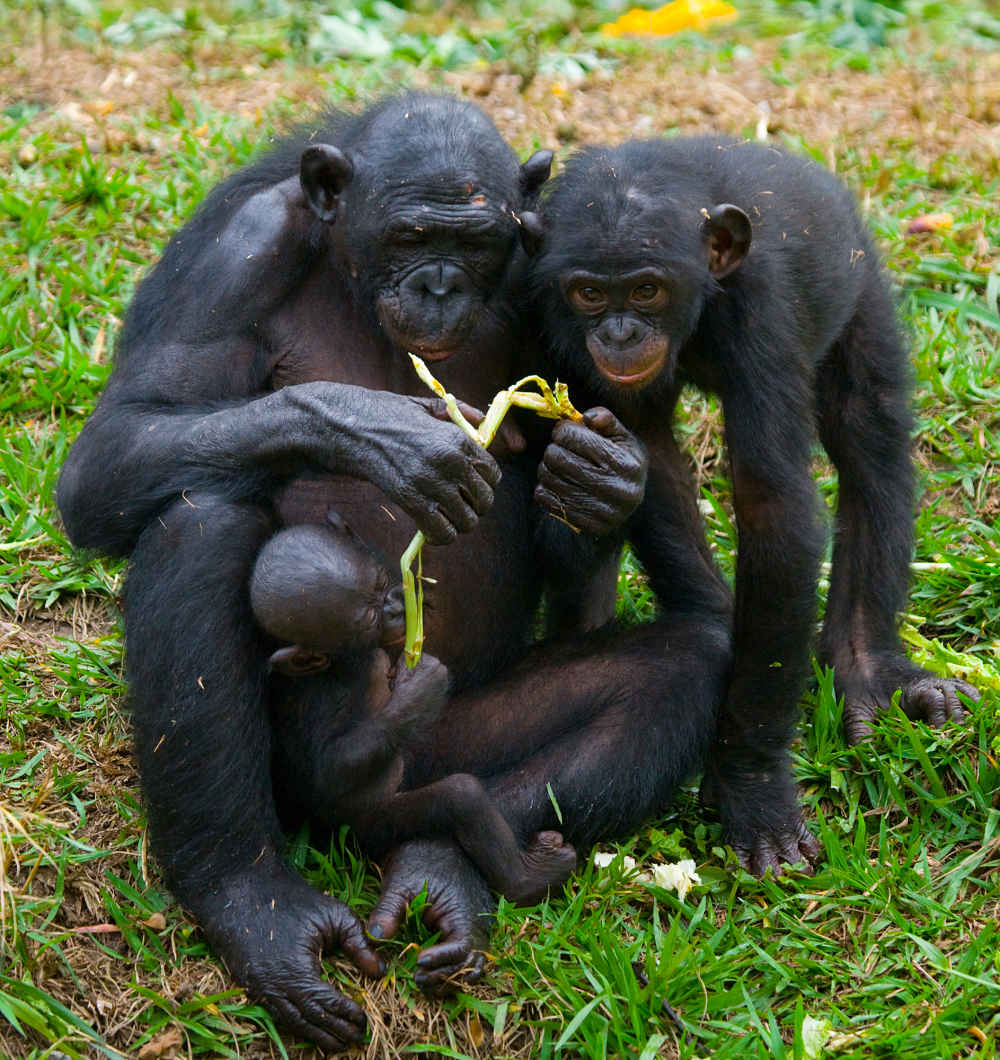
(626, 228)
(445, 156)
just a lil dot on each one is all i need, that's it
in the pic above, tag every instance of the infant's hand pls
(417, 699)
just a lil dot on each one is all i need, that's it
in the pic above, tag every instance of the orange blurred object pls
(929, 222)
(671, 18)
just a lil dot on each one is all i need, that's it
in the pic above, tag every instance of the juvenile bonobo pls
(321, 589)
(261, 378)
(747, 272)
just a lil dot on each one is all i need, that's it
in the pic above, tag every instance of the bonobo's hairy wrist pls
(321, 423)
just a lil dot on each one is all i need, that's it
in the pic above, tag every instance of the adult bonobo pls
(746, 271)
(261, 379)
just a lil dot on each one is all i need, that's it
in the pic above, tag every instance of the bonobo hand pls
(592, 474)
(459, 907)
(270, 927)
(418, 696)
(438, 475)
(761, 820)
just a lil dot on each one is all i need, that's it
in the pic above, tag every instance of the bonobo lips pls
(433, 351)
(645, 371)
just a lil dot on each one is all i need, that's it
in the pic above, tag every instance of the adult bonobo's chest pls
(481, 587)
(478, 590)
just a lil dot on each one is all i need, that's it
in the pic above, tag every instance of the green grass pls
(892, 945)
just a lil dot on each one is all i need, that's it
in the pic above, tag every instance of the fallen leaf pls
(162, 1045)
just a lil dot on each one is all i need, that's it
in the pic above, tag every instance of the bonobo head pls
(322, 590)
(426, 203)
(629, 254)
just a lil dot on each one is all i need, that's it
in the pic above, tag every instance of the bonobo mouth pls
(632, 380)
(437, 346)
(440, 350)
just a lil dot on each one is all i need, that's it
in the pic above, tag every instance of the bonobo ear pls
(532, 233)
(534, 173)
(324, 172)
(726, 231)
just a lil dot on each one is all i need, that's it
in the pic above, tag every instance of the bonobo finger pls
(604, 422)
(447, 966)
(590, 517)
(354, 943)
(389, 913)
(320, 1014)
(581, 484)
(602, 438)
(435, 525)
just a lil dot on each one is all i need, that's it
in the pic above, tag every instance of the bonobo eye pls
(648, 296)
(588, 299)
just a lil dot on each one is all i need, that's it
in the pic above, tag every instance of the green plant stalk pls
(551, 403)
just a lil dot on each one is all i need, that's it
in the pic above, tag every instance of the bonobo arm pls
(352, 761)
(592, 477)
(668, 534)
(186, 407)
(780, 545)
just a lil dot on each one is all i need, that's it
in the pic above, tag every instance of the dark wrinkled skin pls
(243, 920)
(458, 906)
(748, 273)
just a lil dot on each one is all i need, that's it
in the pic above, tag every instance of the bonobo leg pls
(196, 672)
(611, 723)
(865, 423)
(459, 806)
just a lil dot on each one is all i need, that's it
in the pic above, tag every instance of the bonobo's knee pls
(463, 793)
(202, 538)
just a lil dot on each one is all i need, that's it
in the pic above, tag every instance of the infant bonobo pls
(319, 588)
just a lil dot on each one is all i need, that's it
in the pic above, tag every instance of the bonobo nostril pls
(438, 280)
(619, 330)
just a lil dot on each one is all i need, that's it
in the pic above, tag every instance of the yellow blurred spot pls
(201, 130)
(558, 90)
(671, 18)
(97, 108)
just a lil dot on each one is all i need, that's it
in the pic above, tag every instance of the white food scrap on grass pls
(679, 876)
(603, 858)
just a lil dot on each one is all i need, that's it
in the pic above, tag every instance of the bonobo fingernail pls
(376, 930)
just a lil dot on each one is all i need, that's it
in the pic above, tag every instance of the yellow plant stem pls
(552, 403)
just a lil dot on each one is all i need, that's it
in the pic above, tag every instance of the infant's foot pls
(545, 863)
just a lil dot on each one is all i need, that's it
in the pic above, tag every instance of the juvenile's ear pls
(532, 233)
(534, 173)
(324, 172)
(726, 232)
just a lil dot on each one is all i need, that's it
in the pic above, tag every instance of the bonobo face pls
(442, 253)
(623, 316)
(318, 587)
(427, 206)
(627, 262)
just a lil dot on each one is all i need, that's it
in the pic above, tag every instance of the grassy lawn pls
(114, 121)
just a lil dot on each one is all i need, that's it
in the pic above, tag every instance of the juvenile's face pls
(360, 608)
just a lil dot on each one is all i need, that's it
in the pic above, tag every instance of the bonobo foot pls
(925, 696)
(761, 821)
(545, 863)
(271, 927)
(459, 906)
